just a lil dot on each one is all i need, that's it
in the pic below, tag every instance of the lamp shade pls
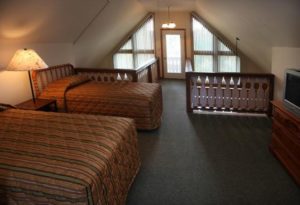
(26, 59)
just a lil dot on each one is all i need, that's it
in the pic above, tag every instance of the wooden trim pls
(162, 51)
(133, 72)
(140, 69)
(162, 54)
(135, 77)
(271, 95)
(104, 70)
(54, 67)
(149, 51)
(39, 82)
(125, 51)
(188, 95)
(158, 69)
(218, 74)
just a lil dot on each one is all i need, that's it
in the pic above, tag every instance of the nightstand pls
(40, 104)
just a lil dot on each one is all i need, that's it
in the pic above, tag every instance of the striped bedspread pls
(140, 101)
(58, 158)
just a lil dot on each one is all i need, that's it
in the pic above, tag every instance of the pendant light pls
(169, 24)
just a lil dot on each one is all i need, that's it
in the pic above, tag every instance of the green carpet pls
(208, 159)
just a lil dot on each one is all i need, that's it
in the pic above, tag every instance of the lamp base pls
(32, 92)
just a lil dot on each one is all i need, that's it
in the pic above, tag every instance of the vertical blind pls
(210, 54)
(139, 49)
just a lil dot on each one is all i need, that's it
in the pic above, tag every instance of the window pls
(124, 58)
(139, 49)
(210, 54)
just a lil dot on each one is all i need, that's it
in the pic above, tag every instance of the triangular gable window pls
(210, 53)
(138, 49)
(127, 45)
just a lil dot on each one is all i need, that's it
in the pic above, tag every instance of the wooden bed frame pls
(146, 113)
(148, 73)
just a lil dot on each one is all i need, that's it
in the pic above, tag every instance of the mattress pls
(140, 101)
(58, 158)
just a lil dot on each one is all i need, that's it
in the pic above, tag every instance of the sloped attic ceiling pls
(45, 21)
(108, 29)
(63, 21)
(260, 24)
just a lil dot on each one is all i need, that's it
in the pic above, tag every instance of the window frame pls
(215, 53)
(130, 37)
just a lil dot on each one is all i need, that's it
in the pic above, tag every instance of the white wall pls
(14, 86)
(283, 58)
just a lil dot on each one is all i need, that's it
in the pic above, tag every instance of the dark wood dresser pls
(285, 143)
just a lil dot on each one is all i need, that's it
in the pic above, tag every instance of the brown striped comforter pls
(58, 158)
(140, 101)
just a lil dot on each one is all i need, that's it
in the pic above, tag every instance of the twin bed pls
(58, 158)
(62, 158)
(77, 93)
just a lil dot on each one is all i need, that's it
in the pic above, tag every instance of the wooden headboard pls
(147, 73)
(41, 78)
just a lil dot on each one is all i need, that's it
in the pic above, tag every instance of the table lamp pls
(26, 60)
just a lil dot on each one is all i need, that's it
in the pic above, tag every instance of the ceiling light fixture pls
(170, 24)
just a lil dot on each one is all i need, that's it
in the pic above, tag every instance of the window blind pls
(139, 49)
(210, 54)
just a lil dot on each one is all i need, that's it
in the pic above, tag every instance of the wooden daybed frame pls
(146, 105)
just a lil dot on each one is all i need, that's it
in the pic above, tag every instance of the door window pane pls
(173, 51)
(203, 63)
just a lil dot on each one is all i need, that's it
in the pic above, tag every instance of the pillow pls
(75, 80)
(67, 82)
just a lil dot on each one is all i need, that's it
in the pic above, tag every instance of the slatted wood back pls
(108, 74)
(41, 78)
(229, 91)
(147, 73)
